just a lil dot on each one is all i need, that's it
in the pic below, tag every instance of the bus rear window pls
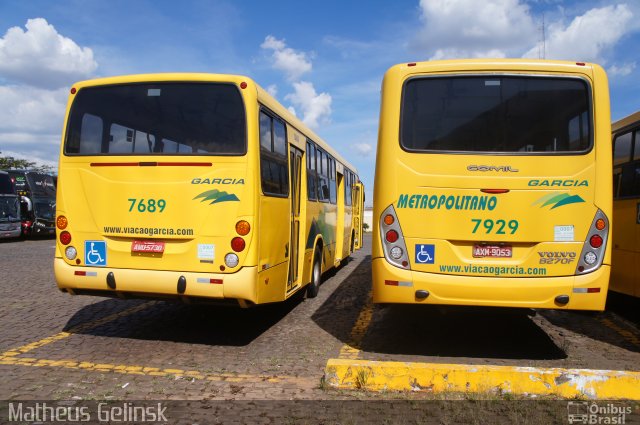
(157, 119)
(496, 114)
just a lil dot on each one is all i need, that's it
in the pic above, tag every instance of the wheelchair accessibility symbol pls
(95, 253)
(425, 254)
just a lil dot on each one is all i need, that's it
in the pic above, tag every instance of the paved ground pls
(56, 346)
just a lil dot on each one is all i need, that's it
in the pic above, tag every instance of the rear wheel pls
(316, 275)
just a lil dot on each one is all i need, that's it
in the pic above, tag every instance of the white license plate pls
(493, 251)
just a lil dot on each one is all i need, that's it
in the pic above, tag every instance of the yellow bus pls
(199, 187)
(493, 185)
(625, 271)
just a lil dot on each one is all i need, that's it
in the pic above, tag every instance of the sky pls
(322, 60)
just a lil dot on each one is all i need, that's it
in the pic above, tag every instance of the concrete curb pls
(526, 381)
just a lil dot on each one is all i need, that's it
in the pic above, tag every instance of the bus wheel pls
(353, 242)
(316, 275)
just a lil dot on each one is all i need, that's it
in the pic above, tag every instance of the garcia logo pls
(504, 168)
(216, 196)
(559, 183)
(198, 180)
(558, 200)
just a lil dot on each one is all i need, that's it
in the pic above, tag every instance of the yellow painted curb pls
(437, 378)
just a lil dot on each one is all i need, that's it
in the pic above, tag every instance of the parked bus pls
(625, 267)
(493, 185)
(10, 222)
(37, 191)
(200, 187)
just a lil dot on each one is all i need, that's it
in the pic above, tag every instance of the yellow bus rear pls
(493, 185)
(194, 187)
(625, 267)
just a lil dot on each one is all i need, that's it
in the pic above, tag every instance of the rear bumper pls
(156, 283)
(529, 292)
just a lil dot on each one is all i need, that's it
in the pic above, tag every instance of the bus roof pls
(494, 64)
(625, 122)
(263, 96)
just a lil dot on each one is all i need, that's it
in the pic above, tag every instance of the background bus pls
(200, 187)
(625, 266)
(38, 201)
(492, 185)
(10, 222)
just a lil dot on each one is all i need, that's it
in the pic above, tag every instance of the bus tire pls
(316, 274)
(353, 243)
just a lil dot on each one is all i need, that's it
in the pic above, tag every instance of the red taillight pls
(65, 238)
(494, 191)
(596, 241)
(237, 244)
(391, 236)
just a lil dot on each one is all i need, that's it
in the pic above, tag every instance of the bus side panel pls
(625, 274)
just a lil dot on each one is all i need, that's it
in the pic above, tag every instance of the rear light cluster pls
(395, 250)
(238, 244)
(65, 239)
(594, 245)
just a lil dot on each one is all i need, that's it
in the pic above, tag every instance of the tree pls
(11, 163)
(365, 226)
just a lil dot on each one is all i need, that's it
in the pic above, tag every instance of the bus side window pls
(311, 171)
(274, 169)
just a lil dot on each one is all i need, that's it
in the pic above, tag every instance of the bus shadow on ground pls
(451, 331)
(431, 331)
(603, 327)
(177, 322)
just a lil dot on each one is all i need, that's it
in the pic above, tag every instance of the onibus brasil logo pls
(216, 196)
(558, 200)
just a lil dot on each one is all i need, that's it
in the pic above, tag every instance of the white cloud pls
(363, 149)
(471, 28)
(588, 37)
(31, 110)
(622, 70)
(316, 108)
(272, 90)
(292, 62)
(41, 57)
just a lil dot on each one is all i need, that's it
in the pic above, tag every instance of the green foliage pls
(11, 163)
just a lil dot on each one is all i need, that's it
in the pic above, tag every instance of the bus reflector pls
(65, 238)
(391, 282)
(586, 290)
(243, 228)
(62, 222)
(243, 85)
(216, 281)
(73, 90)
(80, 273)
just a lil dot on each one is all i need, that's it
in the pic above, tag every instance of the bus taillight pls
(395, 250)
(237, 244)
(595, 244)
(65, 238)
(243, 228)
(62, 222)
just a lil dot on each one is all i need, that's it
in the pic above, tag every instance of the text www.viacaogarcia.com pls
(148, 231)
(494, 270)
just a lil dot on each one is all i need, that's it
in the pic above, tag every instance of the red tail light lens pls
(596, 241)
(391, 236)
(65, 238)
(237, 244)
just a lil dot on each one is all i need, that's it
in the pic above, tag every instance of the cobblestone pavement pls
(55, 346)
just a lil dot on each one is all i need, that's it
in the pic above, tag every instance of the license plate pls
(495, 251)
(153, 247)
